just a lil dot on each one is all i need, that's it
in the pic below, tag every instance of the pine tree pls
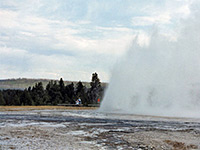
(95, 91)
(6, 97)
(70, 92)
(2, 101)
(53, 90)
(81, 92)
(95, 82)
(61, 84)
(79, 88)
(38, 94)
(49, 92)
(16, 100)
(84, 96)
(62, 89)
(26, 98)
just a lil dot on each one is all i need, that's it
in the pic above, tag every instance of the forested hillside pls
(51, 92)
(22, 83)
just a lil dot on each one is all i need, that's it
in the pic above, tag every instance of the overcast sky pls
(74, 38)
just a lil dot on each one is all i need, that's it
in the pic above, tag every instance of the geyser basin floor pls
(78, 129)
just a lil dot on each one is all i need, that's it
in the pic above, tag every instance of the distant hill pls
(22, 83)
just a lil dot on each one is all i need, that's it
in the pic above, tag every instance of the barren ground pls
(80, 129)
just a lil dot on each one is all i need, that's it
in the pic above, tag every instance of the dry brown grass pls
(22, 108)
(180, 145)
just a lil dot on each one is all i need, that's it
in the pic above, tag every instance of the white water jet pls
(161, 79)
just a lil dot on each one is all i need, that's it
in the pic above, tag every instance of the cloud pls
(45, 45)
(151, 20)
(10, 51)
(64, 33)
(38, 37)
(8, 19)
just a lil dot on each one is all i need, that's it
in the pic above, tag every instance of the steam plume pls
(162, 78)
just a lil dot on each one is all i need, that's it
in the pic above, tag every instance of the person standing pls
(79, 100)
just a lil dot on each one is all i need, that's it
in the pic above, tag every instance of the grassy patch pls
(180, 145)
(23, 108)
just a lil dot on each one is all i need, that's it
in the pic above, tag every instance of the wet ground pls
(89, 129)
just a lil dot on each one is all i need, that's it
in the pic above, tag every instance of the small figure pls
(79, 100)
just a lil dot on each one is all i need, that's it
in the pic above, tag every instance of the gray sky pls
(74, 38)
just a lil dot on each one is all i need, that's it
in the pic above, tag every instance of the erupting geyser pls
(162, 78)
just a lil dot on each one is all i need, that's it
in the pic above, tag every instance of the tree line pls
(55, 92)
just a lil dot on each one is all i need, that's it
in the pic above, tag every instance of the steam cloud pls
(162, 78)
